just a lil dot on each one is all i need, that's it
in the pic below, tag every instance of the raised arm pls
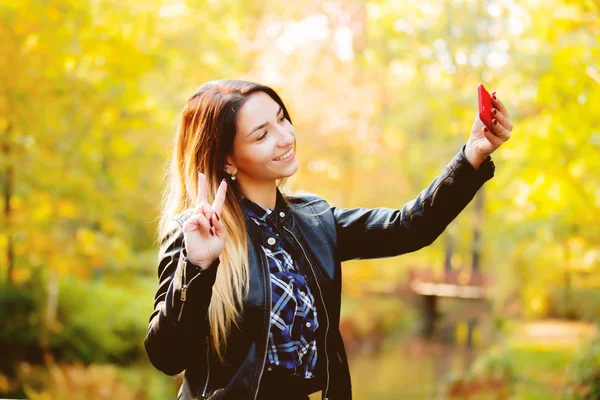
(188, 260)
(177, 320)
(384, 232)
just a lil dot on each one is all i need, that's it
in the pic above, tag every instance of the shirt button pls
(282, 214)
(271, 241)
(308, 324)
(270, 369)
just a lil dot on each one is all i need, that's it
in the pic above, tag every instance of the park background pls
(382, 94)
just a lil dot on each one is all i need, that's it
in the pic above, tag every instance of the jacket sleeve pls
(181, 303)
(382, 232)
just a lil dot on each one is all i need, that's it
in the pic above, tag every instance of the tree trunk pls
(478, 222)
(448, 252)
(8, 194)
(51, 309)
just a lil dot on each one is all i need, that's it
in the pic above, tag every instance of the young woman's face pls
(263, 147)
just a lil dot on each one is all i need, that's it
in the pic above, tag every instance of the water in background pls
(406, 368)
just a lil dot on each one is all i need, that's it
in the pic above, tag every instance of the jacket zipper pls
(184, 288)
(324, 308)
(207, 370)
(183, 294)
(182, 298)
(269, 306)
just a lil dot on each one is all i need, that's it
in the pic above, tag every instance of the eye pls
(261, 137)
(282, 118)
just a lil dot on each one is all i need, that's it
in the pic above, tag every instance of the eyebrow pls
(263, 125)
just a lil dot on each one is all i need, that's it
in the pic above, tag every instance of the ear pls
(230, 167)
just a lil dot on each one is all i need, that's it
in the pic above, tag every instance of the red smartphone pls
(485, 106)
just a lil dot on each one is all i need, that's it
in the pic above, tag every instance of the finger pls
(220, 197)
(201, 187)
(500, 131)
(219, 227)
(504, 120)
(197, 222)
(199, 208)
(208, 212)
(499, 105)
(493, 139)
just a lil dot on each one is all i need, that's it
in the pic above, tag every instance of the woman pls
(248, 303)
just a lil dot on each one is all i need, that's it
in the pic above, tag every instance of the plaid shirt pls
(292, 343)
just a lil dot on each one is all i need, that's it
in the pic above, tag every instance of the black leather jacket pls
(177, 337)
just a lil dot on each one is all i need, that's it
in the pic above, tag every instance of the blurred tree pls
(89, 92)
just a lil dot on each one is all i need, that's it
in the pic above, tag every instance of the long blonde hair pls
(204, 137)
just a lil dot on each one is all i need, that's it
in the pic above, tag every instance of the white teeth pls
(286, 155)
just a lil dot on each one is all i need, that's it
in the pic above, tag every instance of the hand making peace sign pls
(204, 233)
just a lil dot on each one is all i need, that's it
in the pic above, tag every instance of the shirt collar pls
(256, 211)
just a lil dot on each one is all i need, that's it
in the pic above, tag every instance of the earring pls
(233, 177)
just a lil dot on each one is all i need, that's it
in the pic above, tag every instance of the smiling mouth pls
(285, 156)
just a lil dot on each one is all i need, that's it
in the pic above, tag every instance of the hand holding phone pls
(485, 106)
(491, 128)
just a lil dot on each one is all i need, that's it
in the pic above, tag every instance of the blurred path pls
(556, 332)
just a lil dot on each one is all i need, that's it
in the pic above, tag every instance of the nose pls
(286, 136)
